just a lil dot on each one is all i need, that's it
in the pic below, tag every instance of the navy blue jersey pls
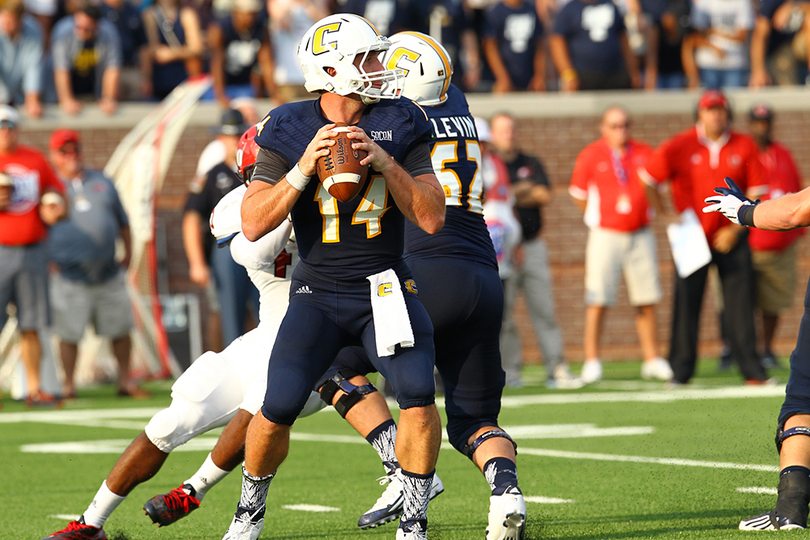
(359, 238)
(592, 30)
(241, 49)
(456, 157)
(516, 30)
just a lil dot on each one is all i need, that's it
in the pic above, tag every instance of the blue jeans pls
(233, 92)
(671, 80)
(714, 79)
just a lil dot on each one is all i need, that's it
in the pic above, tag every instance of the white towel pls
(392, 325)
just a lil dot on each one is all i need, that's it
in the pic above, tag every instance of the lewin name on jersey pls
(448, 127)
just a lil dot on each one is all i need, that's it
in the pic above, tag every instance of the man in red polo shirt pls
(26, 211)
(693, 161)
(773, 252)
(606, 188)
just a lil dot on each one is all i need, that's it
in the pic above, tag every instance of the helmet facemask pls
(392, 80)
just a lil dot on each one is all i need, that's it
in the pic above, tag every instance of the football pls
(340, 171)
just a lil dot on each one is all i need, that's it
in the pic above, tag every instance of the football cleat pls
(245, 526)
(77, 530)
(412, 530)
(389, 506)
(507, 516)
(769, 521)
(172, 506)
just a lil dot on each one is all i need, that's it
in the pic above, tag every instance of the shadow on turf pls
(537, 527)
(535, 530)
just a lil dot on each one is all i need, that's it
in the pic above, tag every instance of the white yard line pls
(644, 459)
(548, 500)
(116, 418)
(78, 416)
(660, 396)
(310, 508)
(758, 490)
(574, 431)
(549, 431)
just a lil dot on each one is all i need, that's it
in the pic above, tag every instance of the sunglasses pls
(624, 125)
(69, 150)
(7, 124)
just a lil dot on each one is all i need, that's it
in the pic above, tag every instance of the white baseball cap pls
(9, 115)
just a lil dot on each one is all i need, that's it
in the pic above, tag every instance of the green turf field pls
(621, 459)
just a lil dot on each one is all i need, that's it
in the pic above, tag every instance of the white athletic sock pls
(384, 439)
(102, 506)
(415, 489)
(206, 477)
(254, 493)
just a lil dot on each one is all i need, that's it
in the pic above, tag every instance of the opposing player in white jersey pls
(217, 389)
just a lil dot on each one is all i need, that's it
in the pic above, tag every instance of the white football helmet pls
(426, 63)
(334, 42)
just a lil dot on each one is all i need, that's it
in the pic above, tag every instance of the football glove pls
(732, 203)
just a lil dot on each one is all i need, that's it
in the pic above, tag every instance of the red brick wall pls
(556, 141)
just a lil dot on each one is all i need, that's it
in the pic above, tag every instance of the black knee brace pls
(470, 449)
(782, 434)
(352, 395)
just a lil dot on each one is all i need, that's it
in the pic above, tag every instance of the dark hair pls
(90, 9)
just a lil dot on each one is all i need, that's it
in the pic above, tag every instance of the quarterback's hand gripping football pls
(376, 157)
(317, 147)
(732, 203)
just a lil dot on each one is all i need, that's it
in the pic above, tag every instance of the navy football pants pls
(318, 324)
(465, 302)
(797, 394)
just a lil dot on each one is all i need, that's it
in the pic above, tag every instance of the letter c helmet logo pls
(396, 58)
(319, 44)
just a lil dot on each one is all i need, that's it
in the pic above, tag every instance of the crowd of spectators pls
(80, 51)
